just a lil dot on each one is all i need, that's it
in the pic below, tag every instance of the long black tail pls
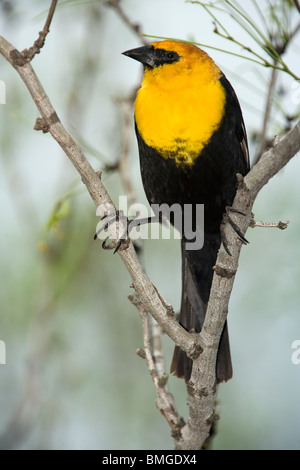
(197, 274)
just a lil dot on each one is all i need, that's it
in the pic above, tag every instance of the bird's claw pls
(120, 242)
(227, 218)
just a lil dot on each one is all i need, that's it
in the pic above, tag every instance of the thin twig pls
(126, 107)
(164, 399)
(135, 27)
(267, 112)
(281, 225)
(297, 5)
(248, 25)
(29, 54)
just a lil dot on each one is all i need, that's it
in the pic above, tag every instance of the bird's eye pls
(170, 55)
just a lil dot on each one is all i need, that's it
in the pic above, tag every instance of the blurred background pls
(72, 379)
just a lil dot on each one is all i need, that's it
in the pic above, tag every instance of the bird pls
(192, 143)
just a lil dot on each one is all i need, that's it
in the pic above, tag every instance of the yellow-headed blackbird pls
(192, 142)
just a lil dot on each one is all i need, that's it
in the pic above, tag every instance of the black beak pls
(144, 54)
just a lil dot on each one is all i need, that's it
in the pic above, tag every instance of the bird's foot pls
(227, 218)
(118, 226)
